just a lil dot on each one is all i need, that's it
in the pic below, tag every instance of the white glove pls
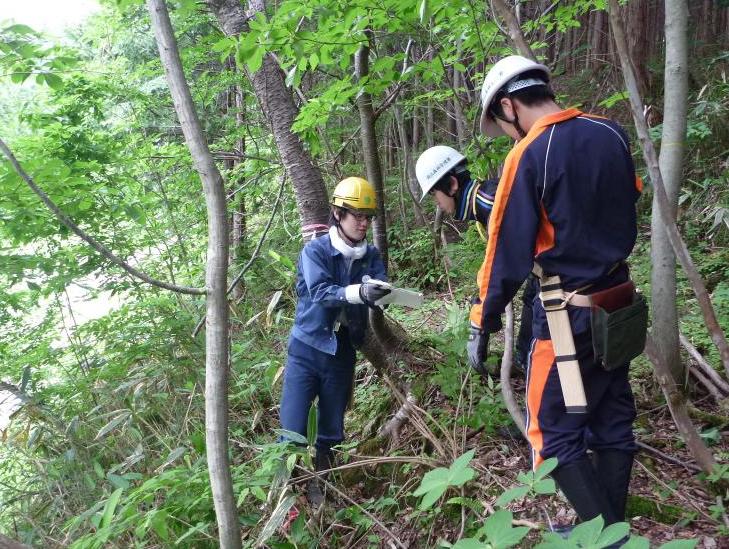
(351, 294)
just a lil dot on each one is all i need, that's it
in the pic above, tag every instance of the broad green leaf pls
(173, 456)
(292, 436)
(54, 81)
(469, 543)
(499, 531)
(512, 494)
(613, 533)
(588, 532)
(545, 486)
(680, 544)
(545, 468)
(637, 542)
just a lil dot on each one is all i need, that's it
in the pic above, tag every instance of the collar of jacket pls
(554, 118)
(464, 200)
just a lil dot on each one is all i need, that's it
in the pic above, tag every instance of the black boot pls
(613, 468)
(323, 460)
(585, 492)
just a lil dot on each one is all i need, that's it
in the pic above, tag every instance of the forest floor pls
(667, 498)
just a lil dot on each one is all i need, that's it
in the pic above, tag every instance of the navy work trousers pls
(310, 373)
(608, 423)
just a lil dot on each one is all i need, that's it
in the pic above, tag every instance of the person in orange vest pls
(565, 203)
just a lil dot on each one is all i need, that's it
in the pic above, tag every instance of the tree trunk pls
(216, 333)
(408, 167)
(369, 146)
(663, 260)
(278, 107)
(677, 406)
(517, 37)
(649, 154)
(239, 200)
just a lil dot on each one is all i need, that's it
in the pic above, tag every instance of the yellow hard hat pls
(355, 193)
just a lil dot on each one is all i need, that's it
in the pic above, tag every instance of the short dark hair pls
(533, 96)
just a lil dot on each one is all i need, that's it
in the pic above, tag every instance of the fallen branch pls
(90, 240)
(706, 368)
(506, 362)
(677, 406)
(665, 457)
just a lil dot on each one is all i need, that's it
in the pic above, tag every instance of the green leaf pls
(545, 468)
(311, 425)
(499, 531)
(545, 486)
(637, 542)
(292, 436)
(255, 60)
(54, 81)
(110, 507)
(285, 502)
(437, 481)
(113, 424)
(680, 544)
(424, 11)
(587, 533)
(469, 543)
(20, 29)
(512, 494)
(613, 534)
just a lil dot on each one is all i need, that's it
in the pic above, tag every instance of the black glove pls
(477, 349)
(370, 291)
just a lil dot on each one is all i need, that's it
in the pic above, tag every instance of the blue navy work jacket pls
(320, 281)
(566, 199)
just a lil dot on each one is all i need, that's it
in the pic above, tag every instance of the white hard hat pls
(433, 164)
(503, 71)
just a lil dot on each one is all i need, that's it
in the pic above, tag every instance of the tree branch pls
(90, 240)
(253, 256)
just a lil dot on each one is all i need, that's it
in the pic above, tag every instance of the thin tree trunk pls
(677, 405)
(517, 37)
(239, 202)
(649, 154)
(371, 156)
(278, 107)
(663, 260)
(216, 334)
(409, 168)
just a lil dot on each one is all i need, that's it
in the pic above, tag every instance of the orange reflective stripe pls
(545, 234)
(503, 191)
(542, 359)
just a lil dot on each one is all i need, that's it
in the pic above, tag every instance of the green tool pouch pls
(618, 336)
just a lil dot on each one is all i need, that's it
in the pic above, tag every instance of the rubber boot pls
(580, 484)
(323, 460)
(613, 468)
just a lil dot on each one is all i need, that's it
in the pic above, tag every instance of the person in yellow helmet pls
(339, 276)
